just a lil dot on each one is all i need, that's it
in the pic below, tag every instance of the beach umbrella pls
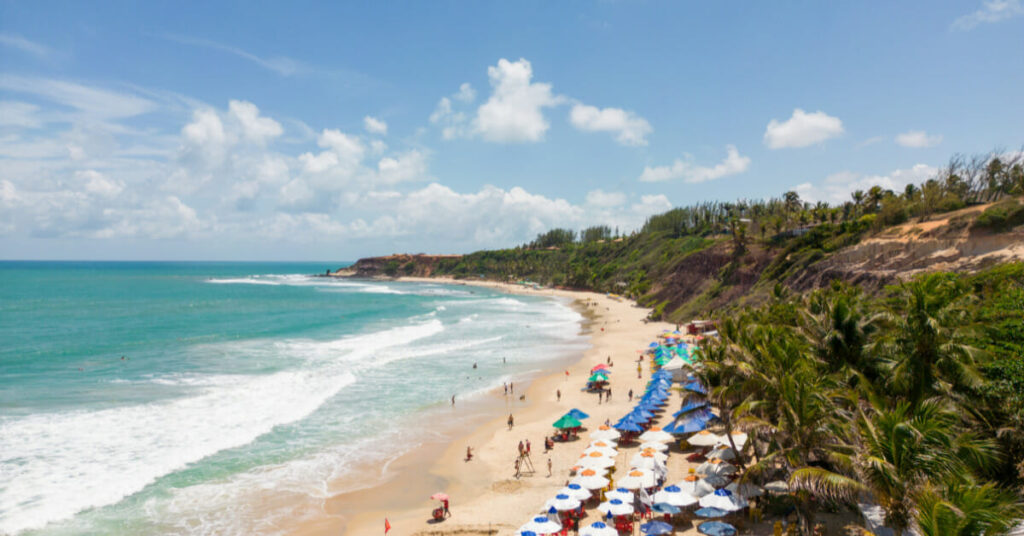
(562, 502)
(689, 426)
(576, 491)
(723, 499)
(716, 528)
(657, 435)
(621, 494)
(777, 486)
(589, 479)
(691, 405)
(638, 478)
(703, 438)
(646, 461)
(596, 462)
(652, 345)
(628, 426)
(577, 414)
(603, 451)
(605, 433)
(598, 376)
(745, 490)
(716, 467)
(604, 443)
(711, 513)
(654, 445)
(722, 453)
(663, 508)
(696, 486)
(598, 528)
(675, 496)
(567, 421)
(615, 507)
(541, 525)
(717, 481)
(635, 418)
(739, 438)
(600, 366)
(639, 411)
(439, 496)
(656, 528)
(696, 387)
(527, 533)
(660, 456)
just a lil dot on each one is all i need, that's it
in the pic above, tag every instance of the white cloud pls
(410, 166)
(687, 171)
(602, 199)
(24, 45)
(918, 138)
(254, 128)
(837, 187)
(514, 111)
(375, 126)
(802, 129)
(96, 183)
(629, 129)
(279, 64)
(19, 114)
(991, 11)
(348, 148)
(98, 103)
(466, 93)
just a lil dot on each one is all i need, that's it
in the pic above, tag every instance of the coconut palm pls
(970, 509)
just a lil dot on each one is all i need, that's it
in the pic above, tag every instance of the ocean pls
(176, 398)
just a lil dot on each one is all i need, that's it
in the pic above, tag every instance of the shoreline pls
(485, 498)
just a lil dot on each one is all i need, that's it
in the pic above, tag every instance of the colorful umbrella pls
(577, 414)
(439, 496)
(567, 421)
(656, 528)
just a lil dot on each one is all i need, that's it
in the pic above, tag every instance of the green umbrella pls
(598, 377)
(568, 421)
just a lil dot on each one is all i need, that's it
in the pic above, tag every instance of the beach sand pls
(485, 497)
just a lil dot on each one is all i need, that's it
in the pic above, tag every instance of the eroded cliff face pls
(949, 244)
(419, 265)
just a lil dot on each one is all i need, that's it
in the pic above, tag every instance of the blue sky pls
(288, 131)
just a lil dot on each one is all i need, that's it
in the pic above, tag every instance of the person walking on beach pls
(505, 385)
(510, 422)
(453, 401)
(511, 388)
(558, 395)
(517, 468)
(527, 447)
(608, 395)
(469, 453)
(520, 448)
(630, 395)
(447, 512)
(549, 466)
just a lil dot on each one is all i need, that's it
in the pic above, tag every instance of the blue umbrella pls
(689, 426)
(577, 414)
(716, 528)
(665, 508)
(690, 406)
(527, 533)
(656, 527)
(711, 512)
(627, 426)
(652, 345)
(696, 387)
(670, 428)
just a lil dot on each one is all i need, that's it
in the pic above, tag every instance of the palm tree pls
(858, 199)
(926, 341)
(960, 509)
(838, 329)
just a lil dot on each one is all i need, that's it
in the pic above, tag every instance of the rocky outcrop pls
(419, 265)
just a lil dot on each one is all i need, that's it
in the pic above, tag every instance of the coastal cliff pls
(419, 265)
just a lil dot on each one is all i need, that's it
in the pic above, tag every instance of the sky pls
(332, 131)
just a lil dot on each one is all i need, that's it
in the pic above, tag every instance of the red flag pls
(567, 373)
(387, 526)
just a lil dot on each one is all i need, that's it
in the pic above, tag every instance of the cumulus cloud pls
(514, 111)
(466, 93)
(837, 187)
(918, 139)
(375, 126)
(600, 198)
(802, 129)
(410, 166)
(253, 127)
(991, 11)
(628, 128)
(687, 171)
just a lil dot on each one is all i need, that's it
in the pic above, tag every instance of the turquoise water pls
(172, 398)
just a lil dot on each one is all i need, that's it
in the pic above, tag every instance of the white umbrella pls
(722, 453)
(723, 500)
(541, 525)
(621, 494)
(607, 443)
(615, 507)
(703, 438)
(598, 528)
(745, 490)
(654, 445)
(642, 458)
(777, 486)
(651, 464)
(698, 487)
(716, 467)
(562, 502)
(596, 462)
(675, 496)
(638, 478)
(589, 479)
(657, 434)
(717, 481)
(604, 451)
(605, 432)
(576, 491)
(739, 438)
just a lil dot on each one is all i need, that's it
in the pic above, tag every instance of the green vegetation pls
(911, 399)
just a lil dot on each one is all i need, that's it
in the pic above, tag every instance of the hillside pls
(695, 275)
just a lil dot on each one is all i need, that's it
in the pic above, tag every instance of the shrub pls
(1001, 216)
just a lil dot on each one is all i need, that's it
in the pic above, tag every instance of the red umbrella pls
(439, 496)
(602, 366)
